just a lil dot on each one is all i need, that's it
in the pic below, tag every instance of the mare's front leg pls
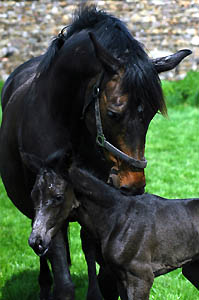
(45, 280)
(89, 249)
(108, 284)
(63, 286)
(191, 272)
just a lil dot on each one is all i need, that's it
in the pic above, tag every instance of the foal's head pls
(48, 195)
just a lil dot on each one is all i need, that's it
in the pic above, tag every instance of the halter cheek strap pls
(101, 139)
(96, 89)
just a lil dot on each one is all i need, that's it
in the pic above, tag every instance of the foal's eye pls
(140, 110)
(113, 115)
(59, 198)
(34, 194)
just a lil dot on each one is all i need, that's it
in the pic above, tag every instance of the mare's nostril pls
(128, 190)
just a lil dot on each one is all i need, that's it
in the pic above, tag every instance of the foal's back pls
(154, 229)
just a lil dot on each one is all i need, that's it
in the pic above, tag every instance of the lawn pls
(172, 171)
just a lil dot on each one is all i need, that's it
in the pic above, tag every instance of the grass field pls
(173, 171)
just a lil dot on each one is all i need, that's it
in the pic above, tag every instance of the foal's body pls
(139, 237)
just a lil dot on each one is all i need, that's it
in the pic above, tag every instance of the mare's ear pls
(31, 161)
(108, 61)
(169, 62)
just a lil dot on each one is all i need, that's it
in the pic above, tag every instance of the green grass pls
(1, 85)
(182, 91)
(172, 171)
(172, 151)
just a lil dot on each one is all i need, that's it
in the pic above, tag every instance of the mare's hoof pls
(94, 294)
(46, 296)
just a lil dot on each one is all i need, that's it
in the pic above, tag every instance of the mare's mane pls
(49, 56)
(140, 79)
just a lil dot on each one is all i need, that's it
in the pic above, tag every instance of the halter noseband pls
(101, 139)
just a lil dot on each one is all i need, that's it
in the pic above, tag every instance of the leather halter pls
(101, 139)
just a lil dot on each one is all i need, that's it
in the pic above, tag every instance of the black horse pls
(133, 241)
(95, 80)
(121, 230)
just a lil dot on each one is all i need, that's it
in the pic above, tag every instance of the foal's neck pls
(95, 218)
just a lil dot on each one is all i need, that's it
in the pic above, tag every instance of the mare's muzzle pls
(129, 183)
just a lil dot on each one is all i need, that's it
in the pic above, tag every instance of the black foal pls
(136, 238)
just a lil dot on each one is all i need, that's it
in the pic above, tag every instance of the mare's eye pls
(113, 115)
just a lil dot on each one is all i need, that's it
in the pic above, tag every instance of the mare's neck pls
(67, 97)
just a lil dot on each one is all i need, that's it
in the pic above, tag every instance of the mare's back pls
(21, 75)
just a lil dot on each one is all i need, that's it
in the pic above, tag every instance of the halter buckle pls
(96, 91)
(100, 140)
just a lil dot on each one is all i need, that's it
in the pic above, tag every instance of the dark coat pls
(139, 237)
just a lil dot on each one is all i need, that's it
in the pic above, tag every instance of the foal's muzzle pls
(38, 245)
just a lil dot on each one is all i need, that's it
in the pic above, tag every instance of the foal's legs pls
(45, 277)
(45, 280)
(89, 249)
(132, 287)
(63, 286)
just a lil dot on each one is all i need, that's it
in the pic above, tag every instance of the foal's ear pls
(54, 159)
(58, 159)
(31, 161)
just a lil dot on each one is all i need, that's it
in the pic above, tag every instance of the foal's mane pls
(140, 77)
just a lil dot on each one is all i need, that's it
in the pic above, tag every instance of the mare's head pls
(123, 97)
(109, 90)
(49, 199)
